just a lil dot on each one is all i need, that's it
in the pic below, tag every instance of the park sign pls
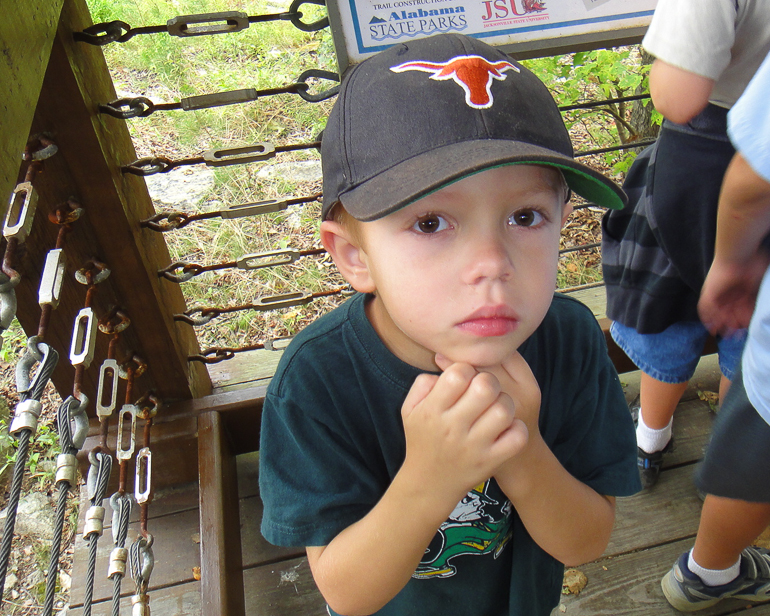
(523, 28)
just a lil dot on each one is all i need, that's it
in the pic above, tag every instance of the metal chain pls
(171, 221)
(198, 25)
(214, 355)
(261, 260)
(141, 106)
(150, 165)
(272, 302)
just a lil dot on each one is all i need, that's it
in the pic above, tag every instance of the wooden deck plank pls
(283, 589)
(629, 585)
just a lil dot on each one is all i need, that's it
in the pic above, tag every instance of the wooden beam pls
(26, 35)
(221, 560)
(92, 148)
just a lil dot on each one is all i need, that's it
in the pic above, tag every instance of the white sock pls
(714, 577)
(650, 440)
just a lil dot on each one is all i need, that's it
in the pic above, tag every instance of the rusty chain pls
(150, 165)
(171, 221)
(269, 302)
(141, 106)
(254, 261)
(204, 24)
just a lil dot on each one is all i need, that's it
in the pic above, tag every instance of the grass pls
(166, 69)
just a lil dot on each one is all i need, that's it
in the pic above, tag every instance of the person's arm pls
(743, 219)
(565, 517)
(459, 428)
(677, 93)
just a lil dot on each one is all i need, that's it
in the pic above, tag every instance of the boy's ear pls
(566, 212)
(348, 255)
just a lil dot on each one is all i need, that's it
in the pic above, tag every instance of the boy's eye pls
(432, 223)
(526, 218)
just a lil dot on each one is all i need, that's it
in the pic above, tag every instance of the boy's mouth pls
(495, 321)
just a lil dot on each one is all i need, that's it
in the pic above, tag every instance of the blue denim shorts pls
(672, 355)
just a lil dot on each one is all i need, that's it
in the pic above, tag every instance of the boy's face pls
(468, 271)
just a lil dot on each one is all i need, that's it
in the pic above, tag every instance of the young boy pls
(446, 439)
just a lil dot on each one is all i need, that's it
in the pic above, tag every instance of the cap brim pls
(425, 173)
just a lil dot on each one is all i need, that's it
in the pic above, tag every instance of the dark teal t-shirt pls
(332, 440)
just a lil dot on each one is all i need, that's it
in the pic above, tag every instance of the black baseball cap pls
(425, 113)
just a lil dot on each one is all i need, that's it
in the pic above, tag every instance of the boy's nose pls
(487, 260)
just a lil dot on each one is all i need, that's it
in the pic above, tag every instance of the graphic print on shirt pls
(478, 525)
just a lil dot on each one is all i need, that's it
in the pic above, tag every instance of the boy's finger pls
(420, 389)
(442, 362)
(451, 385)
(517, 368)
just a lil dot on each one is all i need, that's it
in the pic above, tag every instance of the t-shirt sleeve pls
(749, 122)
(315, 478)
(593, 436)
(694, 35)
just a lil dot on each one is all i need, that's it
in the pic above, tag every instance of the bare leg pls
(724, 387)
(727, 526)
(658, 400)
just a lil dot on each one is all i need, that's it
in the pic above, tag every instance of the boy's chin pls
(481, 358)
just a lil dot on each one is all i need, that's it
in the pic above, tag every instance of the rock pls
(34, 517)
(65, 581)
(298, 171)
(11, 580)
(182, 188)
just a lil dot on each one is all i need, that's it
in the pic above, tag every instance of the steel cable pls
(28, 390)
(97, 490)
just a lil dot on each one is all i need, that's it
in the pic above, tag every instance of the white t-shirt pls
(724, 40)
(749, 129)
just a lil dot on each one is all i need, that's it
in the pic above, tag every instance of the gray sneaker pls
(686, 592)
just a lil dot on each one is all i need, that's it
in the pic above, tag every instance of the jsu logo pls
(510, 9)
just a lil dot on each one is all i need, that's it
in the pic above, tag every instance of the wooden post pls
(221, 559)
(92, 148)
(26, 35)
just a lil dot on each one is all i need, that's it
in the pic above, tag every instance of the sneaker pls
(650, 464)
(686, 592)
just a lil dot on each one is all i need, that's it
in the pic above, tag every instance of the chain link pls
(204, 24)
(150, 165)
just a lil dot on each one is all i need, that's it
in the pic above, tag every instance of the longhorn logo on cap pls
(474, 74)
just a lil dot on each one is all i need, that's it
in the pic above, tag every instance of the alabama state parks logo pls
(473, 74)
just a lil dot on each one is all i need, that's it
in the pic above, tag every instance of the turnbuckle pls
(236, 156)
(108, 384)
(286, 300)
(124, 452)
(21, 212)
(252, 209)
(206, 24)
(271, 258)
(52, 278)
(219, 99)
(143, 476)
(83, 338)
